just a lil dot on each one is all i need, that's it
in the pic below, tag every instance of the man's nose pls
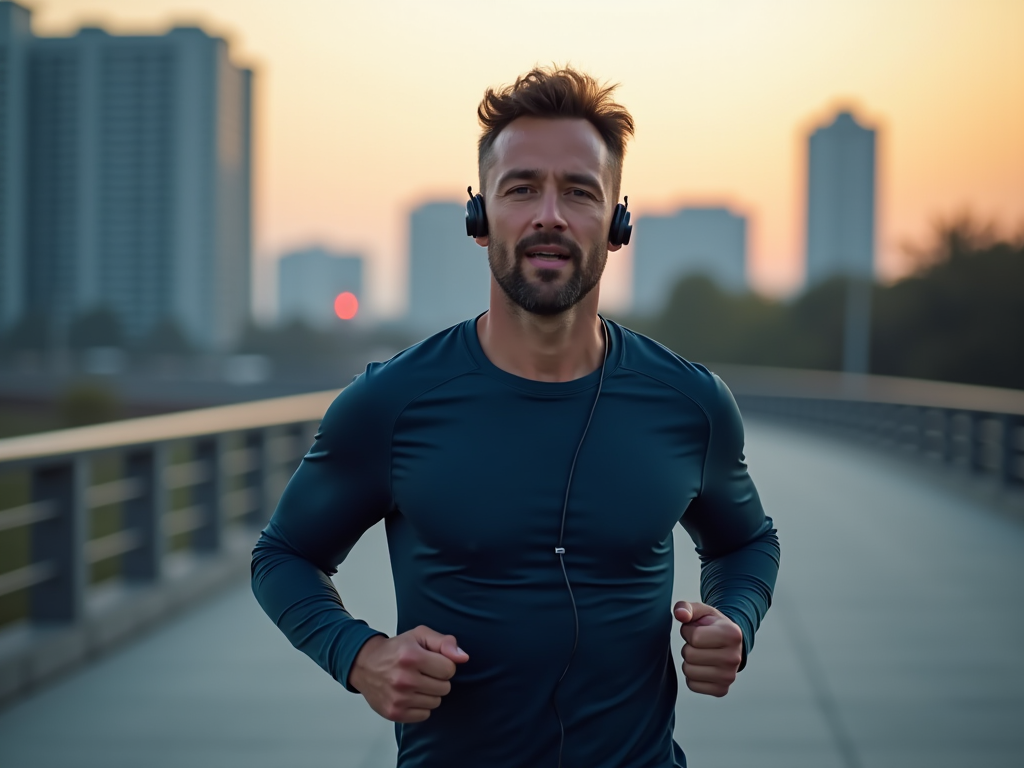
(549, 213)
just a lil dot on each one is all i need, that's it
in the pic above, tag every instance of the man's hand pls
(713, 649)
(402, 678)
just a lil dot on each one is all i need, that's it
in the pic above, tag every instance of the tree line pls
(958, 317)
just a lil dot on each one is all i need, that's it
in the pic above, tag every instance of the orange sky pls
(365, 109)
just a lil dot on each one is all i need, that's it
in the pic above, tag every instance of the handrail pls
(166, 427)
(891, 390)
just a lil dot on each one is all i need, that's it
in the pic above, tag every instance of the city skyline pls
(724, 97)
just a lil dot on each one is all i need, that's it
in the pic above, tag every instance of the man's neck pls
(557, 348)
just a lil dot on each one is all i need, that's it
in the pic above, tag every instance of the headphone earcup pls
(476, 218)
(621, 229)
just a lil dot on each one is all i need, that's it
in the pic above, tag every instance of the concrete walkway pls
(895, 641)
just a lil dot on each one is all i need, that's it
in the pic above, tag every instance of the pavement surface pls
(895, 640)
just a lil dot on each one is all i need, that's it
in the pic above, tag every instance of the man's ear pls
(482, 241)
(614, 246)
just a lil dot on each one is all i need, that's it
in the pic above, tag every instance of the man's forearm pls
(740, 584)
(303, 603)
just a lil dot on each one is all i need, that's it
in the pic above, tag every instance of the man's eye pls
(580, 193)
(519, 190)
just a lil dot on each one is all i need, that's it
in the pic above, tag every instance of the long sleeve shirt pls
(468, 466)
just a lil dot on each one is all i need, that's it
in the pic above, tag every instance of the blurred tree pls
(166, 338)
(297, 343)
(96, 328)
(87, 403)
(31, 332)
(959, 318)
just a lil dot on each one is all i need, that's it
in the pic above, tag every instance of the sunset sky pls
(365, 109)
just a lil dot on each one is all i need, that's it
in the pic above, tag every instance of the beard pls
(543, 298)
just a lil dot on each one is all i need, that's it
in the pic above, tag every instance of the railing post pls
(976, 454)
(58, 543)
(257, 477)
(207, 495)
(145, 513)
(1013, 450)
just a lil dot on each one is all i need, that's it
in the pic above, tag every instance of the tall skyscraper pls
(15, 39)
(309, 281)
(708, 241)
(136, 183)
(841, 225)
(841, 201)
(448, 274)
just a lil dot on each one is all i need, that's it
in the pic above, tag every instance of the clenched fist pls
(403, 678)
(713, 649)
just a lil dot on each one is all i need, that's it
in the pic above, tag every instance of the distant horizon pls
(724, 97)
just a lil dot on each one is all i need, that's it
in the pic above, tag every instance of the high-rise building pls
(708, 241)
(841, 201)
(309, 281)
(136, 183)
(448, 274)
(15, 39)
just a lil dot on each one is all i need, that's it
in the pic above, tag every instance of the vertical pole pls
(947, 444)
(60, 540)
(145, 513)
(976, 442)
(1013, 450)
(256, 479)
(207, 495)
(857, 326)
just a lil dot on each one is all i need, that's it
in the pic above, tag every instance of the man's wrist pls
(354, 674)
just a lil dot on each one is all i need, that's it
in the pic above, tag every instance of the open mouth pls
(547, 256)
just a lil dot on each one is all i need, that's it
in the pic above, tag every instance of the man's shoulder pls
(390, 385)
(659, 364)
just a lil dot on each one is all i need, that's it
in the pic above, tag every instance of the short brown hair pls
(556, 93)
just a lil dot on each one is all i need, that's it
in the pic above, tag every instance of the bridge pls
(894, 640)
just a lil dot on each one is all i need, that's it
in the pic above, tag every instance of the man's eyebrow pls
(519, 174)
(586, 179)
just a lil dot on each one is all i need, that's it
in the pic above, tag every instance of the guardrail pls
(977, 429)
(191, 490)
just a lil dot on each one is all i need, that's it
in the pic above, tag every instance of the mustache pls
(550, 238)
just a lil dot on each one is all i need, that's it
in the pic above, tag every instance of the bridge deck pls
(895, 641)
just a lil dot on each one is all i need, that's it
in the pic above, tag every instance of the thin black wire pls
(560, 550)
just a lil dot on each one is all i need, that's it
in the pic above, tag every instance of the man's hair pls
(551, 92)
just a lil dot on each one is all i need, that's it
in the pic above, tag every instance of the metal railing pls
(183, 481)
(977, 429)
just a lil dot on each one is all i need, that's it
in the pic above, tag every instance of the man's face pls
(549, 206)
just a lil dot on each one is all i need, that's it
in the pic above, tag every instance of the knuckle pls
(446, 688)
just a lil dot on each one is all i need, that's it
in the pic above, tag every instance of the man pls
(530, 466)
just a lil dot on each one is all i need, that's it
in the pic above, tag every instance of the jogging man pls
(530, 466)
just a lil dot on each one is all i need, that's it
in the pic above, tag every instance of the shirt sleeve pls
(737, 543)
(341, 488)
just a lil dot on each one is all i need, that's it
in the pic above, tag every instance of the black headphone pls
(476, 220)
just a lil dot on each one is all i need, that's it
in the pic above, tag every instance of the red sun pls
(346, 305)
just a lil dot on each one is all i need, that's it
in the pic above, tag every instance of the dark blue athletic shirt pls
(467, 465)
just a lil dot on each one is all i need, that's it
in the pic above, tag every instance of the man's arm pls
(340, 489)
(736, 542)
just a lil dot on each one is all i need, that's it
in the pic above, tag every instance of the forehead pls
(561, 145)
